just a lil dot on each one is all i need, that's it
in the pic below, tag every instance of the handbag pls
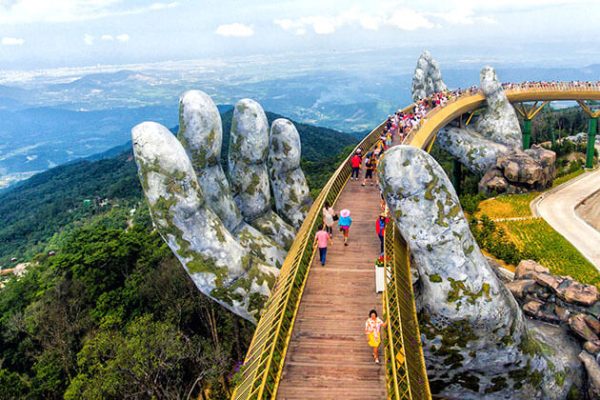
(335, 217)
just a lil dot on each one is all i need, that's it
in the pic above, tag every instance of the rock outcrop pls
(476, 339)
(520, 171)
(567, 303)
(427, 78)
(492, 148)
(227, 237)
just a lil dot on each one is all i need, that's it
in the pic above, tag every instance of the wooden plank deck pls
(328, 357)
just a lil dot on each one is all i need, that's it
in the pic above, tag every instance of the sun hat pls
(345, 213)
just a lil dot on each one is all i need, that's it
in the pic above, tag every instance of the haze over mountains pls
(51, 117)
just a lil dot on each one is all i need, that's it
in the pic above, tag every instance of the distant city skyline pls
(38, 34)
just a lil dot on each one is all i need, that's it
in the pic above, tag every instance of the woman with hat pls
(344, 223)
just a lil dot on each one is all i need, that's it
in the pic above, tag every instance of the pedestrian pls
(380, 225)
(373, 331)
(329, 216)
(369, 168)
(355, 163)
(344, 223)
(322, 239)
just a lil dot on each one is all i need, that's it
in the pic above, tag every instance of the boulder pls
(532, 307)
(520, 288)
(581, 328)
(592, 347)
(529, 269)
(593, 372)
(547, 280)
(562, 313)
(518, 167)
(579, 293)
(493, 182)
(594, 310)
(593, 323)
(547, 159)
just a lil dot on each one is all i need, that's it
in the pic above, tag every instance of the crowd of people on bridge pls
(551, 85)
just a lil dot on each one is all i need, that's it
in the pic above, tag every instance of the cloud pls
(11, 41)
(88, 39)
(56, 11)
(400, 18)
(235, 30)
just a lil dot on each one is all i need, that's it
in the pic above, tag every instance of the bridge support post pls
(591, 141)
(528, 114)
(456, 175)
(526, 134)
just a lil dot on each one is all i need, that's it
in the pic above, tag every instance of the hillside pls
(34, 210)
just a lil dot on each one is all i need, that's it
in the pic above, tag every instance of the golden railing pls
(262, 368)
(406, 376)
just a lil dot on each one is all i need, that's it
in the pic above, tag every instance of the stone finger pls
(292, 196)
(247, 160)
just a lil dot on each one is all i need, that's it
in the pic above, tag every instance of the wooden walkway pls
(328, 357)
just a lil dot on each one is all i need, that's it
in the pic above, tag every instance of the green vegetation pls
(113, 315)
(543, 244)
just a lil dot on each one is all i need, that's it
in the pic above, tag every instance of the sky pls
(37, 34)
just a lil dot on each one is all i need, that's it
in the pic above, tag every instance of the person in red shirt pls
(355, 162)
(380, 225)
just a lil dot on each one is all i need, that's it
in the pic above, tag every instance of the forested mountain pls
(34, 210)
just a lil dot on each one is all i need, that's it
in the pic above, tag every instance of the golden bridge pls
(310, 342)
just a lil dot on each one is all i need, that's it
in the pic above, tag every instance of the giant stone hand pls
(475, 334)
(227, 237)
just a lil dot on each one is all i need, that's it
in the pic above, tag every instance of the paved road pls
(557, 207)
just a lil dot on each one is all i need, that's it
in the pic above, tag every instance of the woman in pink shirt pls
(322, 239)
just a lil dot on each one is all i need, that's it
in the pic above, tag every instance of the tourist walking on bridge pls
(344, 223)
(373, 331)
(370, 164)
(322, 239)
(380, 225)
(329, 216)
(355, 163)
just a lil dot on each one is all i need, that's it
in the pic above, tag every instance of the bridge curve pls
(441, 116)
(277, 329)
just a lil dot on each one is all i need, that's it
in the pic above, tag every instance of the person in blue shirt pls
(344, 224)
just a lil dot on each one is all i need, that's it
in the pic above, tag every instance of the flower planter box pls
(379, 279)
